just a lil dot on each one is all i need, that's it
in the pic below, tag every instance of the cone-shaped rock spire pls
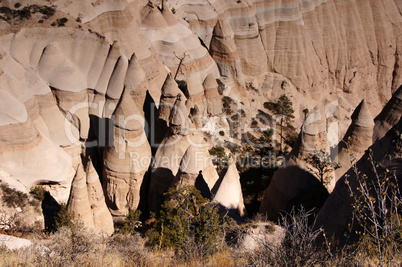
(229, 193)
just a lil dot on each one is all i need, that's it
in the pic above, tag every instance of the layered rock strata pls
(127, 159)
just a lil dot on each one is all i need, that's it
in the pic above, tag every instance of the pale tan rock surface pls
(170, 90)
(126, 160)
(103, 221)
(12, 242)
(213, 100)
(229, 193)
(78, 203)
(357, 139)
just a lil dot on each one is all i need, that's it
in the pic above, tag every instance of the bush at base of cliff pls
(189, 222)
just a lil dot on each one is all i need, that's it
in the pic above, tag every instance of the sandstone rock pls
(313, 135)
(103, 221)
(11, 242)
(126, 160)
(170, 90)
(196, 164)
(389, 116)
(292, 185)
(224, 51)
(178, 118)
(78, 203)
(213, 100)
(336, 213)
(229, 193)
(357, 139)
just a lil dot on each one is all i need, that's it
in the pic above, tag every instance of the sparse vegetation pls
(221, 86)
(64, 218)
(322, 165)
(26, 12)
(227, 105)
(283, 108)
(13, 198)
(61, 22)
(189, 222)
(132, 222)
(377, 217)
(38, 193)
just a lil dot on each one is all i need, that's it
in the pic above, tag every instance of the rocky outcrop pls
(170, 90)
(337, 210)
(292, 186)
(389, 116)
(78, 203)
(227, 192)
(297, 183)
(224, 51)
(87, 201)
(213, 100)
(357, 139)
(103, 221)
(11, 242)
(127, 159)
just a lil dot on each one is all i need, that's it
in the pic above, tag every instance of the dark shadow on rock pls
(219, 181)
(50, 208)
(161, 180)
(232, 213)
(155, 129)
(144, 195)
(201, 185)
(310, 193)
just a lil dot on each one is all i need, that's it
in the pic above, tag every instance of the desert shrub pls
(38, 193)
(173, 10)
(234, 148)
(17, 5)
(377, 215)
(218, 151)
(254, 124)
(221, 133)
(64, 218)
(61, 22)
(47, 10)
(13, 198)
(221, 86)
(242, 113)
(298, 248)
(227, 102)
(249, 137)
(187, 221)
(131, 222)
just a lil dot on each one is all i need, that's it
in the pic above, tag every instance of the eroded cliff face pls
(102, 85)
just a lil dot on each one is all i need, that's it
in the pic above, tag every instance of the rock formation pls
(213, 101)
(127, 159)
(87, 201)
(357, 139)
(296, 183)
(224, 51)
(228, 193)
(170, 90)
(64, 88)
(389, 116)
(336, 213)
